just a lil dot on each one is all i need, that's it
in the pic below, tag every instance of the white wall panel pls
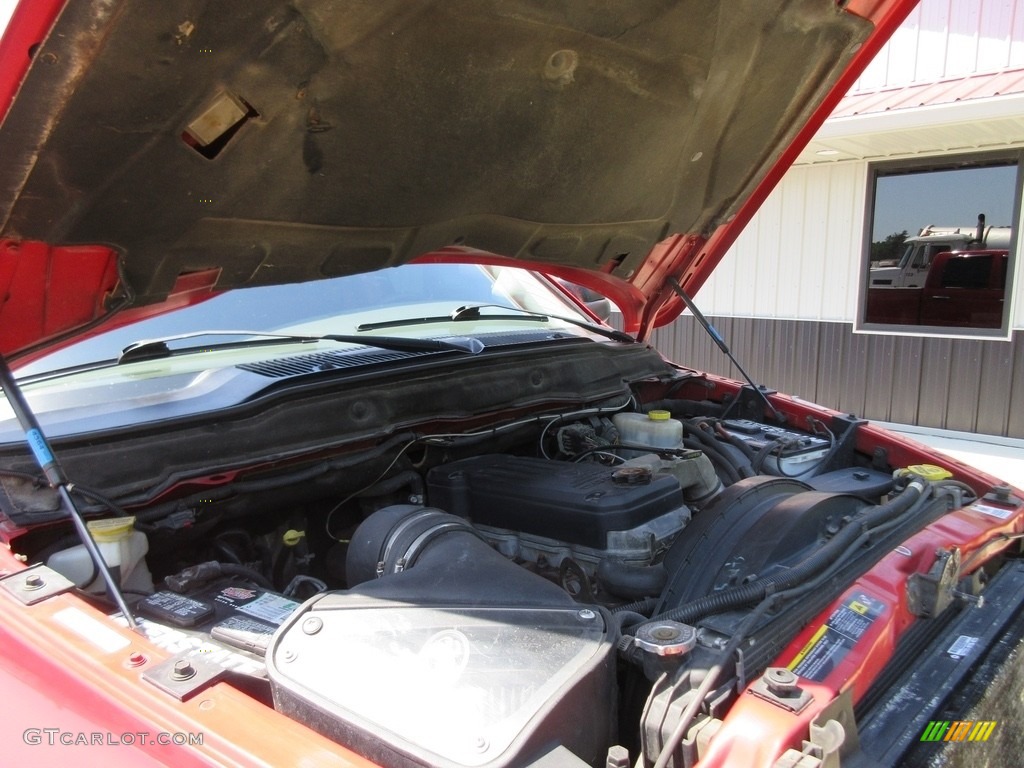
(962, 41)
(1001, 26)
(765, 258)
(799, 257)
(945, 39)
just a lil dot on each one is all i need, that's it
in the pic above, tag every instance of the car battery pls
(229, 622)
(793, 453)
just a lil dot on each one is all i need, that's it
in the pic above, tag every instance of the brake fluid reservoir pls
(656, 429)
(123, 548)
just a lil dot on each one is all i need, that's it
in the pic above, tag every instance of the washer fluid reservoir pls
(123, 548)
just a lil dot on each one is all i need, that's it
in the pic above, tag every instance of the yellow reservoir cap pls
(292, 537)
(659, 415)
(931, 472)
(112, 529)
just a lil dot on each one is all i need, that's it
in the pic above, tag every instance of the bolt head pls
(34, 581)
(183, 670)
(781, 681)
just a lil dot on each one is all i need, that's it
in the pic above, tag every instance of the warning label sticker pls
(265, 606)
(836, 637)
(991, 511)
(268, 607)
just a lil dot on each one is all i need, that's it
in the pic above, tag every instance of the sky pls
(946, 198)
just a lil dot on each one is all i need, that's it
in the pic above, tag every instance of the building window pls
(940, 245)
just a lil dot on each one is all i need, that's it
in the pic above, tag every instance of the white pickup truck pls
(912, 269)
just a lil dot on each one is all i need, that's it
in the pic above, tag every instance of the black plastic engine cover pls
(573, 503)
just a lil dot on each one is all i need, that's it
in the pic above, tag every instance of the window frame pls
(939, 162)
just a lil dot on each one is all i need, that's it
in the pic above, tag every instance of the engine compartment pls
(536, 589)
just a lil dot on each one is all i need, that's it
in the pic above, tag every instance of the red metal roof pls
(981, 86)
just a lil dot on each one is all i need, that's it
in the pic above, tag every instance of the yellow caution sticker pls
(808, 647)
(832, 641)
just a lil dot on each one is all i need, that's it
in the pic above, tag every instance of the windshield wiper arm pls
(151, 349)
(472, 312)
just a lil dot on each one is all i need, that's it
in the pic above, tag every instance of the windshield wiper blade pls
(472, 312)
(151, 349)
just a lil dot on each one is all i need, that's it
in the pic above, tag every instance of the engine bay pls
(560, 580)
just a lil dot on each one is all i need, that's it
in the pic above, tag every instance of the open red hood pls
(281, 141)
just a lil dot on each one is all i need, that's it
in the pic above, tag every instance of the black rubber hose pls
(106, 501)
(202, 573)
(722, 464)
(409, 477)
(625, 619)
(64, 542)
(763, 454)
(643, 607)
(710, 443)
(735, 441)
(233, 569)
(825, 555)
(631, 581)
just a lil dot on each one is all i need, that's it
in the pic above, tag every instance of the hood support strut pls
(54, 474)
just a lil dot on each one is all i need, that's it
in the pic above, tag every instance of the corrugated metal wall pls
(943, 39)
(964, 385)
(801, 255)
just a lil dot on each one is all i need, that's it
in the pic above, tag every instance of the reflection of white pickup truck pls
(922, 248)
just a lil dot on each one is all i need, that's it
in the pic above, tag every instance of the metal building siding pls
(1015, 415)
(949, 38)
(957, 384)
(800, 256)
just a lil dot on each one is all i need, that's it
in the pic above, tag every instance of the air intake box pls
(447, 655)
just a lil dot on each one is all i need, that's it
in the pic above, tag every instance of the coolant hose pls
(643, 607)
(631, 581)
(717, 458)
(711, 443)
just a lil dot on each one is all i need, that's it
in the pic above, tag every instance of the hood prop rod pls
(717, 338)
(55, 476)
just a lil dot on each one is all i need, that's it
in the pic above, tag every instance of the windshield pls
(412, 292)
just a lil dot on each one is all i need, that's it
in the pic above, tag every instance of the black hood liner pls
(361, 134)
